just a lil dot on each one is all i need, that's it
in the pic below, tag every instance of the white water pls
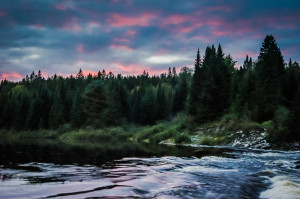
(282, 187)
(231, 173)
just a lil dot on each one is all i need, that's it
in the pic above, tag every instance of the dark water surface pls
(47, 169)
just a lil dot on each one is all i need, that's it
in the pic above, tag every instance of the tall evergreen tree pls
(270, 72)
(196, 87)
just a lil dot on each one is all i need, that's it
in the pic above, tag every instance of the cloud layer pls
(131, 36)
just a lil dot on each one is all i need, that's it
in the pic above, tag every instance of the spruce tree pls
(95, 102)
(56, 117)
(77, 115)
(196, 87)
(269, 85)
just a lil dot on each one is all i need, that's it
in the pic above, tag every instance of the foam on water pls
(203, 169)
(282, 187)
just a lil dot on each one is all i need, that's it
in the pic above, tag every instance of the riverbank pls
(180, 130)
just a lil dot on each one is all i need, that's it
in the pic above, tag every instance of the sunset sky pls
(131, 36)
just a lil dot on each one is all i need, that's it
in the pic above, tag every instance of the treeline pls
(263, 90)
(100, 100)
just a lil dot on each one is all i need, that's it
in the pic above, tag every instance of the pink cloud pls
(220, 27)
(162, 52)
(60, 7)
(282, 23)
(186, 28)
(79, 48)
(94, 23)
(125, 38)
(130, 33)
(290, 51)
(220, 33)
(220, 8)
(2, 13)
(184, 24)
(206, 38)
(121, 40)
(121, 47)
(119, 20)
(12, 76)
(175, 19)
(72, 25)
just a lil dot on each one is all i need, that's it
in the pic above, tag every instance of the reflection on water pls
(133, 170)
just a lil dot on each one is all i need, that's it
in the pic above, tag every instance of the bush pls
(267, 125)
(182, 138)
(281, 118)
(148, 132)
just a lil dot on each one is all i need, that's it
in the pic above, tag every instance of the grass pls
(97, 135)
(174, 131)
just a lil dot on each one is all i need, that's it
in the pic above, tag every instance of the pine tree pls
(80, 74)
(294, 124)
(196, 87)
(136, 106)
(180, 95)
(77, 115)
(56, 117)
(114, 113)
(34, 114)
(270, 72)
(95, 102)
(290, 83)
(161, 104)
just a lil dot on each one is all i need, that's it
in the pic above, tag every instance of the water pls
(133, 170)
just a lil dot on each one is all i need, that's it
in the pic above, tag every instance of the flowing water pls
(133, 170)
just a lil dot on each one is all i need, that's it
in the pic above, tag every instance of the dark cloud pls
(131, 36)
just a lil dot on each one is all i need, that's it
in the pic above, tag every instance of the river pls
(46, 169)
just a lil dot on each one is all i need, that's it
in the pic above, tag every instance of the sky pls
(130, 36)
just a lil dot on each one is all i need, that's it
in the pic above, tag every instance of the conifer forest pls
(264, 88)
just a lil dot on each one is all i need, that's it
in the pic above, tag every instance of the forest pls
(262, 89)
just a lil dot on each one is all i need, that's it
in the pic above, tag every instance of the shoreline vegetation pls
(225, 132)
(215, 103)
